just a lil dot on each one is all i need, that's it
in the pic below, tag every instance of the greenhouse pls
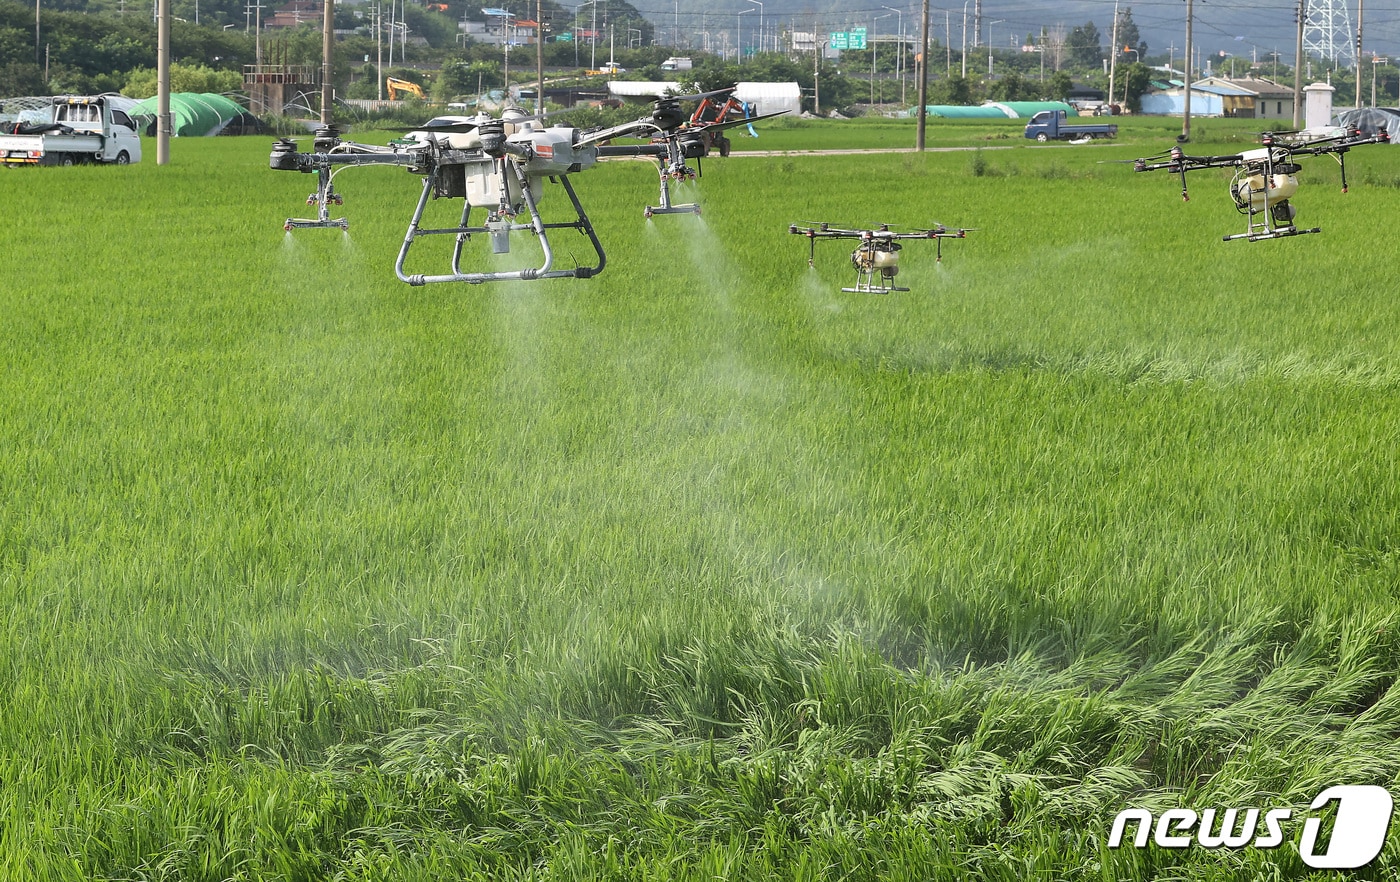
(196, 114)
(997, 110)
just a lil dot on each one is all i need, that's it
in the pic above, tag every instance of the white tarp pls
(766, 97)
(771, 97)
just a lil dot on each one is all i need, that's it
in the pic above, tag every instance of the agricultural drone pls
(500, 164)
(1265, 178)
(876, 258)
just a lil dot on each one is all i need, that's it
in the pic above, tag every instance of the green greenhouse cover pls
(194, 113)
(998, 110)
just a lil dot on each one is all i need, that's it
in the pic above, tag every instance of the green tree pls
(1059, 84)
(1011, 87)
(22, 78)
(435, 27)
(1128, 34)
(614, 18)
(1137, 78)
(141, 82)
(460, 79)
(1084, 46)
(951, 90)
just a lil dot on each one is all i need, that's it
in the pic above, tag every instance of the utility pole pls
(1113, 58)
(163, 127)
(1298, 68)
(899, 61)
(1186, 115)
(327, 46)
(977, 23)
(923, 80)
(964, 42)
(1359, 5)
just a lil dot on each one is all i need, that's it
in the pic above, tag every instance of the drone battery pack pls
(451, 182)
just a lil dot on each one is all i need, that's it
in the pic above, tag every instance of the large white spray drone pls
(501, 165)
(1267, 177)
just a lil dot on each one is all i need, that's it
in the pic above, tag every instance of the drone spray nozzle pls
(499, 231)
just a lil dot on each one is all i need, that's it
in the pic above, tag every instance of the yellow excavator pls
(400, 89)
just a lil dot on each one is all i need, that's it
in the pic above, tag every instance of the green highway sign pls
(852, 39)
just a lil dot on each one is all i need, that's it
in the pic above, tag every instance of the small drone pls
(876, 258)
(500, 164)
(1266, 178)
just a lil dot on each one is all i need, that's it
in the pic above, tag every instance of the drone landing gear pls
(869, 286)
(499, 230)
(1276, 233)
(1270, 213)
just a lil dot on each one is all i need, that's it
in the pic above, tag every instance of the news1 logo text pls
(1360, 823)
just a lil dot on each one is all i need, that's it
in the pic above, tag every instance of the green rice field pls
(701, 569)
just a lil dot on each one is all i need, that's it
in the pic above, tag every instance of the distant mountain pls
(1250, 31)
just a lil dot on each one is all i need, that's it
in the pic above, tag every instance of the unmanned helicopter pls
(501, 164)
(1266, 178)
(876, 258)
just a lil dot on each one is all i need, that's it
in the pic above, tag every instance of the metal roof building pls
(1217, 96)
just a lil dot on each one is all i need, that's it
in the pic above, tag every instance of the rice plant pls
(701, 568)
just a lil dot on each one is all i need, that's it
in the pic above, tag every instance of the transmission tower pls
(1327, 32)
(977, 23)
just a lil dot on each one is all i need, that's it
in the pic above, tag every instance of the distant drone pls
(501, 165)
(1266, 178)
(876, 258)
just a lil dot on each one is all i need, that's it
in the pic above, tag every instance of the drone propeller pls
(698, 96)
(1156, 157)
(955, 231)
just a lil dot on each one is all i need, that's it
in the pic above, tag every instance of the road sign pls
(853, 39)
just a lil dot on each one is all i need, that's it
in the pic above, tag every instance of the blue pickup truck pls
(1049, 125)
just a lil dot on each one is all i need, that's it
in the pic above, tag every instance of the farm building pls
(1248, 98)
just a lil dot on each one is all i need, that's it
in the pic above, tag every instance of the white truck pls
(677, 63)
(73, 129)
